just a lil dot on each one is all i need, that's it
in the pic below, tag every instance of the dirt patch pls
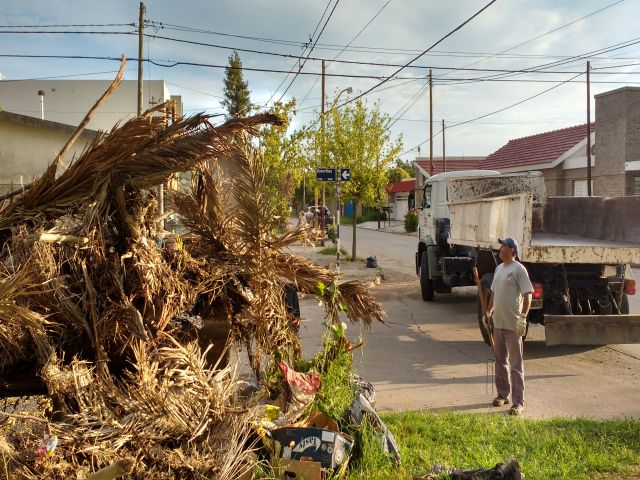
(634, 475)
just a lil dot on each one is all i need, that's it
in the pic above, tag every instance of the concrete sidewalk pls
(391, 226)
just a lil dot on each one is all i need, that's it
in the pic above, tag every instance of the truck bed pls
(566, 240)
(595, 230)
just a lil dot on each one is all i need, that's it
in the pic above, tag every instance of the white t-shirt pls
(510, 283)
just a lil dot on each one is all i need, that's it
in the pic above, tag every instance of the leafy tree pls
(397, 174)
(282, 154)
(406, 165)
(356, 137)
(236, 89)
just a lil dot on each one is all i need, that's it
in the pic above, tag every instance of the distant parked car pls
(314, 211)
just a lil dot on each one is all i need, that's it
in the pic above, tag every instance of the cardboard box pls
(328, 447)
(297, 470)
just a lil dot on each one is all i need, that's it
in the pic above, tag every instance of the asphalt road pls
(429, 355)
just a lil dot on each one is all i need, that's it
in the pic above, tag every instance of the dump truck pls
(577, 250)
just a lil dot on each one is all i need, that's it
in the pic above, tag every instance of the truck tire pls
(426, 284)
(485, 281)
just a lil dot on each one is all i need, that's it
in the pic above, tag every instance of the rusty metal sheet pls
(591, 329)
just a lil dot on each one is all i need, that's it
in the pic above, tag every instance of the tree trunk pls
(353, 243)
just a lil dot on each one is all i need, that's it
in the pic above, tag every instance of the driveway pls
(429, 355)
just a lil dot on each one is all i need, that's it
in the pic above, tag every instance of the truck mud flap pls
(591, 329)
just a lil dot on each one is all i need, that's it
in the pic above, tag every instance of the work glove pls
(521, 326)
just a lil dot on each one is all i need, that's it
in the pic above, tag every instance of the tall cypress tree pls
(236, 89)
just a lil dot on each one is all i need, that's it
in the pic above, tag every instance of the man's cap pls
(511, 243)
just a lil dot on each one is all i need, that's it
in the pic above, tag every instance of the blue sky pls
(399, 32)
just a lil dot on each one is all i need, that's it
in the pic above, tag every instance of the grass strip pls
(576, 449)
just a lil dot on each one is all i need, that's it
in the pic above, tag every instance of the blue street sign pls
(345, 174)
(326, 174)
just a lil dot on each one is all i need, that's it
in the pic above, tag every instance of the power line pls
(494, 112)
(72, 25)
(546, 33)
(304, 50)
(312, 47)
(347, 45)
(419, 56)
(52, 77)
(536, 69)
(175, 63)
(381, 50)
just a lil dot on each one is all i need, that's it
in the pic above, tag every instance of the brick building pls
(561, 155)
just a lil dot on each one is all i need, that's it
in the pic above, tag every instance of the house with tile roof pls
(425, 168)
(401, 198)
(561, 155)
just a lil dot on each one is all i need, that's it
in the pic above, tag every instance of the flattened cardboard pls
(297, 470)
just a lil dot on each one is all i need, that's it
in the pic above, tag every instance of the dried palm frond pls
(143, 152)
(172, 413)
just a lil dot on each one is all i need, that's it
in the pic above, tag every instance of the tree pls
(397, 174)
(356, 137)
(236, 90)
(282, 156)
(406, 165)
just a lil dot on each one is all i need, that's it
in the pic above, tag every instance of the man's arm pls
(526, 304)
(490, 305)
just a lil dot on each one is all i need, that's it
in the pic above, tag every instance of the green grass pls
(332, 251)
(546, 449)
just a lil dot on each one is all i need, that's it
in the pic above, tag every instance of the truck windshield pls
(426, 198)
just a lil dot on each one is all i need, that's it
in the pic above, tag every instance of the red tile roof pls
(536, 149)
(454, 164)
(403, 186)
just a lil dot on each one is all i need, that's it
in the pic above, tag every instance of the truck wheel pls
(426, 284)
(485, 281)
(624, 304)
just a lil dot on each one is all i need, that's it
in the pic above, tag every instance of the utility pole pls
(430, 123)
(444, 157)
(322, 151)
(588, 132)
(140, 55)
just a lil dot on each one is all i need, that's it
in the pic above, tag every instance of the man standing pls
(509, 305)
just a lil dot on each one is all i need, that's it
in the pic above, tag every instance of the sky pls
(482, 101)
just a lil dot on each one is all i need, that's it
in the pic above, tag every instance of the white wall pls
(68, 101)
(22, 158)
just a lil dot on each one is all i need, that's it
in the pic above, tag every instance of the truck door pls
(428, 208)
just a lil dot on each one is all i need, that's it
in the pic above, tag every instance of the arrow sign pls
(325, 174)
(345, 174)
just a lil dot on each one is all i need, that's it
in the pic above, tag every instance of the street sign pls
(326, 174)
(345, 174)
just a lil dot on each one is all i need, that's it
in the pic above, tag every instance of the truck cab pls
(433, 232)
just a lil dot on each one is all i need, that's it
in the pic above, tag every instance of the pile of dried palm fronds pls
(100, 308)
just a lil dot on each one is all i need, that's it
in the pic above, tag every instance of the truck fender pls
(422, 246)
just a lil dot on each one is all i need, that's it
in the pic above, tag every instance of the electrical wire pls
(294, 66)
(347, 45)
(495, 111)
(312, 47)
(537, 69)
(417, 57)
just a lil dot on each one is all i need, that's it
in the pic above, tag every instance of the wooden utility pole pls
(140, 55)
(588, 132)
(430, 124)
(444, 157)
(322, 150)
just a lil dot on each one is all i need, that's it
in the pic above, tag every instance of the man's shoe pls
(516, 410)
(499, 401)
